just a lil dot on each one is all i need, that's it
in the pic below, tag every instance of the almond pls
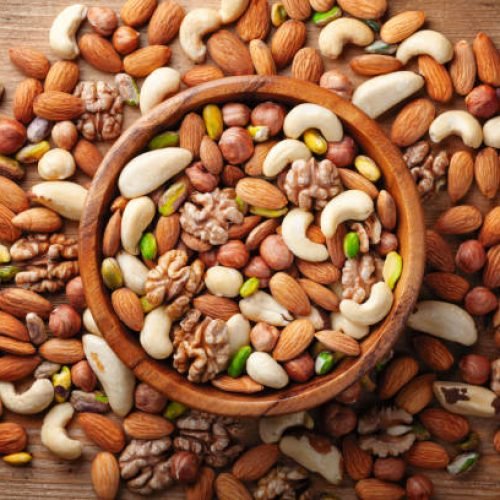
(165, 22)
(13, 438)
(294, 340)
(260, 193)
(358, 463)
(19, 302)
(416, 394)
(191, 133)
(240, 231)
(445, 425)
(324, 273)
(38, 220)
(243, 384)
(338, 342)
(427, 455)
(62, 76)
(398, 373)
(167, 233)
(128, 308)
(460, 175)
(13, 346)
(463, 68)
(256, 462)
(491, 274)
(230, 53)
(228, 487)
(111, 239)
(255, 22)
(100, 53)
(211, 156)
(106, 433)
(286, 42)
(8, 232)
(387, 210)
(142, 62)
(447, 286)
(433, 353)
(12, 327)
(62, 351)
(12, 196)
(22, 106)
(320, 295)
(307, 65)
(262, 59)
(437, 79)
(314, 233)
(201, 73)
(105, 474)
(14, 368)
(490, 231)
(253, 167)
(487, 172)
(87, 157)
(140, 425)
(401, 26)
(365, 9)
(216, 307)
(488, 59)
(58, 106)
(203, 488)
(288, 292)
(353, 180)
(413, 122)
(335, 246)
(375, 489)
(30, 62)
(374, 64)
(137, 12)
(461, 219)
(438, 253)
(300, 10)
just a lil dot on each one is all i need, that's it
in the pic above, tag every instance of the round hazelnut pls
(269, 114)
(184, 466)
(475, 369)
(338, 83)
(471, 256)
(234, 253)
(342, 153)
(75, 294)
(482, 101)
(64, 321)
(338, 420)
(125, 40)
(148, 399)
(236, 145)
(83, 377)
(64, 135)
(480, 301)
(351, 395)
(201, 179)
(103, 20)
(12, 135)
(231, 175)
(419, 487)
(209, 258)
(263, 337)
(388, 243)
(389, 469)
(235, 114)
(300, 369)
(257, 268)
(275, 253)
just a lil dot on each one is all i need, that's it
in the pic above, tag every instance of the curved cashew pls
(282, 154)
(54, 436)
(373, 310)
(349, 205)
(34, 400)
(155, 334)
(444, 320)
(306, 116)
(160, 84)
(428, 42)
(262, 368)
(134, 272)
(62, 38)
(355, 330)
(223, 281)
(459, 123)
(150, 170)
(230, 10)
(342, 31)
(491, 132)
(238, 329)
(197, 24)
(315, 318)
(379, 94)
(262, 307)
(90, 324)
(272, 428)
(137, 216)
(293, 230)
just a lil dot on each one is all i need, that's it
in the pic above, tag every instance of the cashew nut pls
(109, 369)
(315, 318)
(262, 368)
(355, 330)
(56, 164)
(459, 123)
(491, 132)
(137, 216)
(238, 329)
(64, 197)
(428, 42)
(197, 24)
(33, 400)
(373, 310)
(379, 94)
(90, 324)
(150, 170)
(349, 205)
(342, 31)
(62, 38)
(444, 320)
(306, 116)
(223, 281)
(160, 84)
(134, 272)
(54, 436)
(155, 334)
(272, 428)
(282, 154)
(262, 307)
(294, 229)
(230, 10)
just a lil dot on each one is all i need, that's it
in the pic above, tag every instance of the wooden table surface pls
(26, 22)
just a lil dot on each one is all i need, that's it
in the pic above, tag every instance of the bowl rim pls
(294, 397)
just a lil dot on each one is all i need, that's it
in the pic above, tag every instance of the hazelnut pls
(209, 258)
(419, 487)
(201, 179)
(148, 399)
(496, 441)
(65, 135)
(75, 294)
(475, 369)
(269, 114)
(482, 101)
(338, 83)
(351, 395)
(184, 466)
(64, 321)
(12, 135)
(125, 40)
(480, 301)
(234, 254)
(389, 469)
(300, 369)
(235, 114)
(338, 420)
(103, 20)
(257, 268)
(342, 153)
(231, 175)
(470, 257)
(264, 337)
(388, 243)
(275, 253)
(236, 145)
(83, 377)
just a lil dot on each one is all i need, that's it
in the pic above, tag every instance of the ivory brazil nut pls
(271, 429)
(262, 307)
(137, 216)
(64, 197)
(134, 272)
(311, 116)
(262, 368)
(282, 154)
(238, 329)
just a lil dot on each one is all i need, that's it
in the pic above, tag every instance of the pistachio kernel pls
(62, 384)
(129, 91)
(148, 246)
(8, 273)
(174, 410)
(21, 458)
(325, 361)
(173, 198)
(250, 286)
(32, 152)
(165, 140)
(4, 255)
(278, 14)
(323, 18)
(463, 463)
(270, 214)
(367, 168)
(111, 273)
(380, 47)
(373, 24)
(11, 168)
(212, 115)
(259, 133)
(147, 307)
(237, 364)
(393, 267)
(351, 245)
(315, 142)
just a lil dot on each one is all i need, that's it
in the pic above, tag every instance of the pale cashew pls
(444, 320)
(373, 310)
(238, 329)
(148, 171)
(326, 461)
(230, 10)
(223, 281)
(197, 24)
(491, 132)
(315, 318)
(381, 93)
(349, 205)
(137, 216)
(293, 230)
(134, 272)
(56, 164)
(62, 38)
(109, 369)
(265, 370)
(33, 400)
(306, 116)
(428, 42)
(54, 436)
(272, 428)
(155, 334)
(335, 35)
(160, 84)
(282, 154)
(90, 324)
(355, 330)
(262, 307)
(459, 123)
(64, 197)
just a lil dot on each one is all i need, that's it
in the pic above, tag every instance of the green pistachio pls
(463, 463)
(270, 214)
(32, 152)
(250, 286)
(11, 168)
(62, 384)
(128, 89)
(242, 206)
(367, 168)
(212, 115)
(323, 18)
(259, 133)
(315, 142)
(421, 433)
(4, 255)
(470, 443)
(111, 273)
(165, 140)
(278, 14)
(175, 410)
(146, 305)
(237, 364)
(20, 458)
(8, 273)
(101, 397)
(324, 363)
(148, 246)
(173, 198)
(373, 24)
(393, 267)
(380, 47)
(351, 245)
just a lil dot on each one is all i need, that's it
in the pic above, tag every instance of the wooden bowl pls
(294, 397)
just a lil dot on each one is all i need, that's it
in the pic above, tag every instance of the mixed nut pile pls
(246, 220)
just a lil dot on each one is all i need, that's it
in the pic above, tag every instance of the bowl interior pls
(294, 397)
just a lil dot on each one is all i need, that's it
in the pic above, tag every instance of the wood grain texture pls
(23, 22)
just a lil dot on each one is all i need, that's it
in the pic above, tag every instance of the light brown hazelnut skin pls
(257, 268)
(419, 487)
(236, 145)
(125, 40)
(482, 101)
(148, 399)
(12, 135)
(64, 135)
(201, 179)
(342, 153)
(338, 83)
(496, 441)
(300, 369)
(351, 395)
(269, 114)
(75, 294)
(231, 174)
(388, 243)
(209, 258)
(103, 20)
(475, 369)
(184, 466)
(275, 253)
(235, 114)
(263, 337)
(83, 377)
(389, 469)
(234, 254)
(480, 301)
(338, 420)
(470, 256)
(65, 321)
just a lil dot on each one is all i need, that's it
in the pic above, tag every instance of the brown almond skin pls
(142, 62)
(255, 22)
(167, 233)
(461, 219)
(14, 368)
(427, 455)
(299, 10)
(353, 180)
(230, 53)
(203, 488)
(62, 76)
(401, 26)
(445, 425)
(460, 175)
(286, 42)
(58, 106)
(87, 157)
(490, 230)
(463, 68)
(105, 474)
(20, 302)
(487, 172)
(165, 22)
(437, 79)
(201, 74)
(22, 107)
(12, 196)
(417, 394)
(31, 62)
(375, 489)
(38, 219)
(262, 57)
(488, 59)
(100, 53)
(111, 238)
(256, 462)
(364, 9)
(62, 351)
(447, 286)
(140, 425)
(413, 122)
(358, 462)
(12, 327)
(106, 433)
(229, 487)
(374, 64)
(397, 373)
(433, 353)
(13, 438)
(137, 12)
(128, 308)
(438, 252)
(307, 65)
